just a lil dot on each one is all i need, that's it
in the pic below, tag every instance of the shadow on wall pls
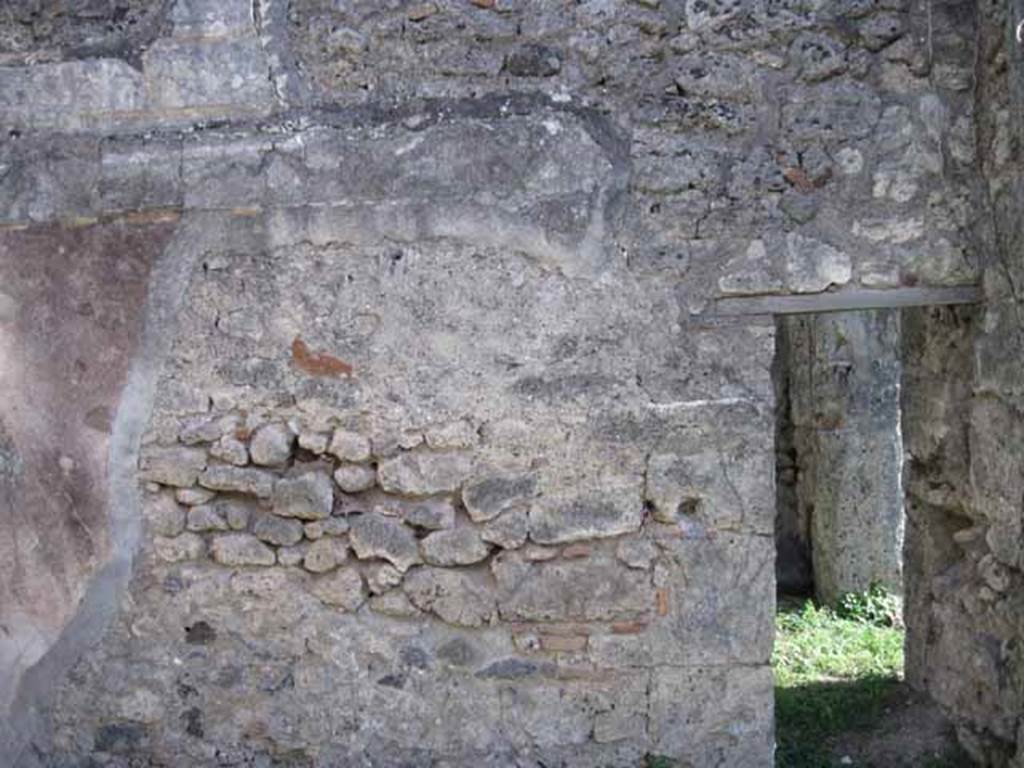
(872, 721)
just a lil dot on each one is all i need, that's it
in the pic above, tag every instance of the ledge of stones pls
(411, 527)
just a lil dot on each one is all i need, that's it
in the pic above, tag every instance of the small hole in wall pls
(304, 456)
(200, 633)
(688, 508)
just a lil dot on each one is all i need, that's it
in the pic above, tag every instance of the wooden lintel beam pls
(847, 300)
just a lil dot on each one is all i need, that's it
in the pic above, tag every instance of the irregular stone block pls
(342, 589)
(335, 526)
(164, 515)
(193, 496)
(271, 445)
(394, 604)
(430, 515)
(241, 549)
(256, 482)
(355, 478)
(457, 434)
(509, 531)
(66, 94)
(373, 536)
(325, 555)
(203, 429)
(176, 466)
(314, 442)
(307, 497)
(186, 546)
(278, 531)
(487, 498)
(206, 518)
(457, 546)
(516, 669)
(595, 589)
(236, 76)
(814, 266)
(722, 485)
(237, 513)
(231, 450)
(381, 577)
(556, 520)
(424, 474)
(454, 596)
(293, 555)
(350, 446)
(700, 623)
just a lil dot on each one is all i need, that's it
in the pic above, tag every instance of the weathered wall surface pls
(426, 443)
(840, 495)
(965, 615)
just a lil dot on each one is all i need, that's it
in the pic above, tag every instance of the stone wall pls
(415, 436)
(965, 614)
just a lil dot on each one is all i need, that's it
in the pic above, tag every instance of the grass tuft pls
(835, 671)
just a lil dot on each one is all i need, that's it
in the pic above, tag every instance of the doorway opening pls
(857, 528)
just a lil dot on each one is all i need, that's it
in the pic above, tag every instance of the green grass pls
(835, 672)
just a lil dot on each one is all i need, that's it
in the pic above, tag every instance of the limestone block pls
(206, 517)
(429, 514)
(241, 549)
(456, 546)
(509, 531)
(349, 446)
(381, 577)
(271, 445)
(325, 555)
(722, 484)
(456, 597)
(193, 496)
(488, 497)
(374, 536)
(185, 546)
(255, 482)
(164, 515)
(556, 520)
(231, 450)
(335, 526)
(308, 497)
(233, 74)
(278, 531)
(175, 466)
(355, 478)
(424, 474)
(314, 442)
(342, 589)
(394, 604)
(594, 589)
(813, 266)
(291, 556)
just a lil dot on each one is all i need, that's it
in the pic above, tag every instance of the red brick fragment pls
(628, 627)
(661, 598)
(318, 363)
